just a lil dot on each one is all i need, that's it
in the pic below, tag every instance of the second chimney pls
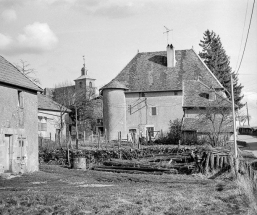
(170, 56)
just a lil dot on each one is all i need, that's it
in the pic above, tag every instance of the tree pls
(30, 73)
(79, 101)
(215, 121)
(174, 134)
(215, 57)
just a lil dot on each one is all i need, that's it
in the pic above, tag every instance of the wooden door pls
(8, 153)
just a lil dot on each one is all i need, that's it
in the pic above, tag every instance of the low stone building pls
(18, 120)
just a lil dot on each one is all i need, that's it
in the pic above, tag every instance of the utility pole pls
(247, 113)
(233, 111)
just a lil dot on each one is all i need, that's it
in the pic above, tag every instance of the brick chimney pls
(170, 56)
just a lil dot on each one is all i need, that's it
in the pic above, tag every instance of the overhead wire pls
(242, 35)
(246, 37)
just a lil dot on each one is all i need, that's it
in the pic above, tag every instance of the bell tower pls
(85, 82)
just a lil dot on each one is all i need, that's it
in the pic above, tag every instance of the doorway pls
(8, 153)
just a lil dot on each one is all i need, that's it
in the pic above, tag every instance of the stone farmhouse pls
(18, 120)
(52, 118)
(150, 92)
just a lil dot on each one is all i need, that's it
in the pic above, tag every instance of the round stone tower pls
(114, 109)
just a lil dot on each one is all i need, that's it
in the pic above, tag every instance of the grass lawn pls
(58, 190)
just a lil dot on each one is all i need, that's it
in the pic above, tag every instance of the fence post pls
(98, 139)
(119, 138)
(105, 136)
(84, 137)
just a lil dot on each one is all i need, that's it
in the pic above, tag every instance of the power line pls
(242, 35)
(246, 37)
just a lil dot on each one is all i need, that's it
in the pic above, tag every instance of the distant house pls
(18, 120)
(52, 118)
(148, 93)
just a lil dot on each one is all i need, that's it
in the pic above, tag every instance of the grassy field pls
(58, 190)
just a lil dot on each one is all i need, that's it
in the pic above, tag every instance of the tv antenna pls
(167, 32)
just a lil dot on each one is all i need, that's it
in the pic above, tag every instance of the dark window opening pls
(175, 93)
(80, 84)
(20, 99)
(133, 130)
(90, 84)
(150, 131)
(154, 111)
(204, 95)
(142, 94)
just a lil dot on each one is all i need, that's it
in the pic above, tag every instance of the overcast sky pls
(53, 35)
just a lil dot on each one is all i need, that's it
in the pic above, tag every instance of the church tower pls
(85, 82)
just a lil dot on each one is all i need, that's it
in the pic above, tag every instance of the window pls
(175, 93)
(20, 99)
(80, 84)
(90, 84)
(150, 131)
(204, 95)
(142, 94)
(42, 124)
(154, 111)
(133, 130)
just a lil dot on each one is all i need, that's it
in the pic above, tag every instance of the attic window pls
(90, 84)
(204, 95)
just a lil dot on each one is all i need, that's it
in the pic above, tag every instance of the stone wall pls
(18, 130)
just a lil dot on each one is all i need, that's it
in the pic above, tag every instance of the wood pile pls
(154, 160)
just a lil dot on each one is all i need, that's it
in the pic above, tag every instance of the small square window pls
(175, 93)
(154, 111)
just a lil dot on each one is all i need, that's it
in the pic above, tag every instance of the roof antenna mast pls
(167, 32)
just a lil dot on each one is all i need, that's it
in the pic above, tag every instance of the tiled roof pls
(11, 75)
(193, 95)
(205, 126)
(149, 72)
(46, 103)
(83, 77)
(114, 85)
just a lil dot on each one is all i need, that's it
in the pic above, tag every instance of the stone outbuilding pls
(18, 120)
(148, 93)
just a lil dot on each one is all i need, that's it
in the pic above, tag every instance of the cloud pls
(5, 41)
(114, 9)
(11, 3)
(37, 38)
(9, 15)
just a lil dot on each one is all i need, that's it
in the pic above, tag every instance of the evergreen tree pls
(215, 57)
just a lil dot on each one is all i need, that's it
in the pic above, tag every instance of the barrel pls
(79, 163)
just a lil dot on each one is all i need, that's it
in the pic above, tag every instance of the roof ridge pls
(208, 68)
(21, 73)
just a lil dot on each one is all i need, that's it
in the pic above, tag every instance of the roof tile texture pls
(11, 75)
(149, 72)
